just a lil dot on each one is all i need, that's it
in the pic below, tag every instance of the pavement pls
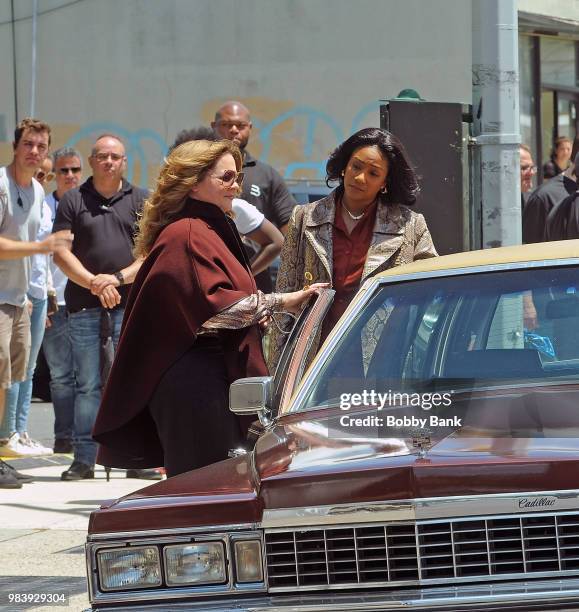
(43, 525)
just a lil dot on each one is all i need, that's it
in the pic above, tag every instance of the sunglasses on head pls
(229, 177)
(40, 175)
(73, 169)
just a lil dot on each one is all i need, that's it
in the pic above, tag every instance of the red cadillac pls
(427, 459)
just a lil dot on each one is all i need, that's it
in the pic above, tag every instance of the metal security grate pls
(484, 548)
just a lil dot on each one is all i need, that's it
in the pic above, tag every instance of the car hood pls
(309, 459)
(508, 440)
(222, 493)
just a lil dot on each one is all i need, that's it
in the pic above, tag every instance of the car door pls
(299, 351)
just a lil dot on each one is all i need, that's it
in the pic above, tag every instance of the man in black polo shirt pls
(262, 185)
(102, 216)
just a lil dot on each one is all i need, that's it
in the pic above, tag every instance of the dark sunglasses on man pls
(66, 170)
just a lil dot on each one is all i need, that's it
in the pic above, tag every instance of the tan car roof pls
(563, 249)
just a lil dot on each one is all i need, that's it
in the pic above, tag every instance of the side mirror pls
(252, 396)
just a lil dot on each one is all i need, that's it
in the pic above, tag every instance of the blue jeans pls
(84, 329)
(58, 353)
(18, 396)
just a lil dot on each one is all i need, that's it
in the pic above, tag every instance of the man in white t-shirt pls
(21, 198)
(262, 235)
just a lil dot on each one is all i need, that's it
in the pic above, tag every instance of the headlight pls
(202, 563)
(133, 568)
(248, 567)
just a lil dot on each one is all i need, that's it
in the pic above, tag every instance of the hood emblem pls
(421, 440)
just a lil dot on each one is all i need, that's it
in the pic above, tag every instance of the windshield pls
(429, 337)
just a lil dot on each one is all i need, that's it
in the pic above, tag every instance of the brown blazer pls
(196, 269)
(400, 236)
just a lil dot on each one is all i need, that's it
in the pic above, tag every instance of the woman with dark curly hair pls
(361, 228)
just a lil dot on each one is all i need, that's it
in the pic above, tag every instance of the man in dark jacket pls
(102, 215)
(563, 220)
(544, 198)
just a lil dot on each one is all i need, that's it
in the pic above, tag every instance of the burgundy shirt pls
(349, 257)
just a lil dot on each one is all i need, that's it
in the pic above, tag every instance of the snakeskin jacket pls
(400, 236)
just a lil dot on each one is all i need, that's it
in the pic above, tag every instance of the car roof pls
(542, 251)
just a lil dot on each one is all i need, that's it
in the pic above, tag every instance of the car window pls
(470, 331)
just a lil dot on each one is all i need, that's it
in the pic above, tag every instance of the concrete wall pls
(312, 71)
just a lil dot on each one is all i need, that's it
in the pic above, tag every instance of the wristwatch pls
(119, 276)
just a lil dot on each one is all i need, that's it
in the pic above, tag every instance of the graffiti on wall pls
(296, 141)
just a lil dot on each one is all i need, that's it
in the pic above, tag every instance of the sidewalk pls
(43, 526)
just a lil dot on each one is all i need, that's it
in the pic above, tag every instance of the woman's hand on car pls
(292, 302)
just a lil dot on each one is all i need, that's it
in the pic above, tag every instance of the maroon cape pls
(196, 269)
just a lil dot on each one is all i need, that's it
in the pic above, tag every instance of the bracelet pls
(119, 276)
(277, 301)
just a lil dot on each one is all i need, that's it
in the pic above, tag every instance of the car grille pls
(481, 548)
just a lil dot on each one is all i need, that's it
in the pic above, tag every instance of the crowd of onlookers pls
(67, 262)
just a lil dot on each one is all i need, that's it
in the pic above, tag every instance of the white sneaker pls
(15, 447)
(35, 446)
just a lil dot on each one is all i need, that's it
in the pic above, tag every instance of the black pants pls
(190, 407)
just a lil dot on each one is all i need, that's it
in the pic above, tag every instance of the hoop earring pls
(384, 190)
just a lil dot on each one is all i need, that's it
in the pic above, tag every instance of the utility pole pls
(495, 98)
(33, 67)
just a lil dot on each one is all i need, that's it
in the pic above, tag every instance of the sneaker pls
(15, 447)
(37, 448)
(62, 445)
(18, 475)
(78, 471)
(150, 474)
(7, 479)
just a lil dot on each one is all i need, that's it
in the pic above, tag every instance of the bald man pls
(262, 185)
(102, 213)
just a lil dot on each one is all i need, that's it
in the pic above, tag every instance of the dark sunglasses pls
(229, 177)
(73, 169)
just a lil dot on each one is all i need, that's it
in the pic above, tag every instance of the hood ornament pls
(421, 440)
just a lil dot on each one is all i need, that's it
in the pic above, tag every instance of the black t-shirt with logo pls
(266, 190)
(103, 231)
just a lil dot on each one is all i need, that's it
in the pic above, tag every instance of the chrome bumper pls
(535, 595)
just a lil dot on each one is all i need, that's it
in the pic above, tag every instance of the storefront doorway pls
(559, 117)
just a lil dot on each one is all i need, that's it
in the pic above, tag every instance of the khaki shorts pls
(14, 344)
